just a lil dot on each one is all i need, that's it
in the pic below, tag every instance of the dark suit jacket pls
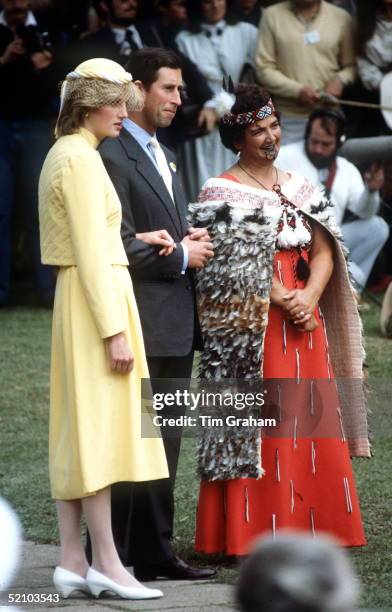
(165, 297)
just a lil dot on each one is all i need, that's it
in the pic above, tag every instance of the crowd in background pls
(346, 56)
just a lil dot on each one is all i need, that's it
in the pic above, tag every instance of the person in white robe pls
(220, 47)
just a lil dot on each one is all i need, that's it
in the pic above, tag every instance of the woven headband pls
(250, 116)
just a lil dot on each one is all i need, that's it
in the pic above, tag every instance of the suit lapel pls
(147, 170)
(180, 202)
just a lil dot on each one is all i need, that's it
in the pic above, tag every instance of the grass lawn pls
(24, 389)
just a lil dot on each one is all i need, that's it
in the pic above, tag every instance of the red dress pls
(309, 483)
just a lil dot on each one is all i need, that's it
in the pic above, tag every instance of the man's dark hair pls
(333, 121)
(145, 63)
(165, 3)
(247, 98)
(101, 12)
(104, 14)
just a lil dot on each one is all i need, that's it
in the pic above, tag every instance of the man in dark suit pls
(145, 179)
(121, 35)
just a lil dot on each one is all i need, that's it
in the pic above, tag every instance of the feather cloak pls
(233, 292)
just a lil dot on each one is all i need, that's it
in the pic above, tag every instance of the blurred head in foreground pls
(297, 573)
(10, 541)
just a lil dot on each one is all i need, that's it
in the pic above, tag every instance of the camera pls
(33, 39)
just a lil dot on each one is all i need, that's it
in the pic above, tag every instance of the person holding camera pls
(26, 68)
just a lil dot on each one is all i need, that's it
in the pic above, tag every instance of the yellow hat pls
(101, 68)
(98, 82)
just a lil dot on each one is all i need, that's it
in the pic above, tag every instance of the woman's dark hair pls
(195, 12)
(145, 63)
(366, 20)
(247, 98)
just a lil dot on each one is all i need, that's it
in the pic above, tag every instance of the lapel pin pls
(173, 166)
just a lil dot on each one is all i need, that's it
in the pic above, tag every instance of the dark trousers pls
(143, 513)
(23, 148)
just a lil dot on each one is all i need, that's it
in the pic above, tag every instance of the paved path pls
(35, 577)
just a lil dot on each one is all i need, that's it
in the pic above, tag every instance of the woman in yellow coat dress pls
(98, 358)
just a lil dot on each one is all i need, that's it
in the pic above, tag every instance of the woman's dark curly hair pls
(247, 98)
(195, 12)
(367, 15)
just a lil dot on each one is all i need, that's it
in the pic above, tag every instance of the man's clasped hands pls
(197, 242)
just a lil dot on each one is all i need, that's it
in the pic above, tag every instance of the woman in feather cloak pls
(276, 304)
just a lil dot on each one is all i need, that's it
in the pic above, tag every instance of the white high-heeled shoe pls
(98, 583)
(66, 582)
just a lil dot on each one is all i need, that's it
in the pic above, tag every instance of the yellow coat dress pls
(96, 436)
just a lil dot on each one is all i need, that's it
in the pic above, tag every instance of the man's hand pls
(374, 177)
(308, 96)
(14, 51)
(120, 355)
(207, 119)
(199, 251)
(334, 87)
(159, 238)
(199, 233)
(41, 59)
